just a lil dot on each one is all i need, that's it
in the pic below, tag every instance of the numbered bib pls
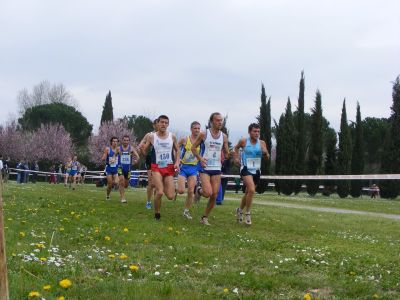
(126, 159)
(253, 163)
(163, 159)
(190, 158)
(112, 161)
(74, 168)
(213, 159)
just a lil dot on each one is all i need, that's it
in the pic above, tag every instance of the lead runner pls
(212, 143)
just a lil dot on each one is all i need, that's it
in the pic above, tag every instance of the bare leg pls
(122, 187)
(169, 187)
(215, 182)
(159, 186)
(190, 193)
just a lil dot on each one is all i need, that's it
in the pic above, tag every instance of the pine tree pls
(300, 136)
(330, 160)
(344, 154)
(107, 114)
(264, 120)
(357, 161)
(316, 145)
(391, 155)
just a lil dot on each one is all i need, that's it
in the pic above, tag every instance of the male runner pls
(253, 149)
(67, 171)
(127, 156)
(73, 174)
(150, 186)
(189, 167)
(214, 143)
(165, 151)
(110, 156)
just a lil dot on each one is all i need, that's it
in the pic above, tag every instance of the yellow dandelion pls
(352, 273)
(307, 296)
(111, 255)
(14, 254)
(43, 259)
(134, 268)
(170, 228)
(123, 256)
(226, 291)
(60, 298)
(146, 241)
(96, 230)
(126, 229)
(65, 283)
(375, 296)
(23, 222)
(107, 238)
(40, 246)
(72, 213)
(61, 229)
(22, 234)
(9, 219)
(47, 287)
(33, 294)
(178, 232)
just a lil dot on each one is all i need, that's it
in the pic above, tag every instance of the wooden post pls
(3, 259)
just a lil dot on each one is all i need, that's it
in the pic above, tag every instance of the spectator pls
(27, 172)
(60, 172)
(1, 167)
(52, 170)
(20, 171)
(35, 174)
(374, 191)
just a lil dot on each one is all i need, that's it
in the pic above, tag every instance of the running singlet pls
(187, 156)
(125, 157)
(111, 161)
(74, 166)
(162, 151)
(212, 151)
(251, 156)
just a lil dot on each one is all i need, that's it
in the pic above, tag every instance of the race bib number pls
(74, 168)
(213, 159)
(126, 159)
(112, 161)
(253, 163)
(190, 158)
(163, 159)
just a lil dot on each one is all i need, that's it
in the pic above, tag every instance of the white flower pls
(242, 273)
(157, 266)
(166, 273)
(157, 273)
(235, 290)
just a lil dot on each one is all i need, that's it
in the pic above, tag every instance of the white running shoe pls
(204, 221)
(186, 214)
(248, 219)
(123, 201)
(239, 215)
(148, 205)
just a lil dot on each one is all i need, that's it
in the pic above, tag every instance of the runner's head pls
(125, 140)
(114, 141)
(215, 121)
(75, 158)
(155, 124)
(254, 131)
(163, 122)
(195, 128)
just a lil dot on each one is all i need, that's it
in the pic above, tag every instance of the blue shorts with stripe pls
(188, 170)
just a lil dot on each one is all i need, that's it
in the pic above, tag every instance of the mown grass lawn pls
(114, 251)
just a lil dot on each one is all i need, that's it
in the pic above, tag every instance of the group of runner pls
(74, 172)
(201, 153)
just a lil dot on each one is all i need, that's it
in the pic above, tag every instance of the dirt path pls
(323, 209)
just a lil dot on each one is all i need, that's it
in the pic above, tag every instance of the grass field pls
(113, 251)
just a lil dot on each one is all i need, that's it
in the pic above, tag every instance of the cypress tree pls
(264, 120)
(357, 161)
(330, 160)
(391, 154)
(301, 136)
(279, 146)
(344, 154)
(107, 114)
(316, 145)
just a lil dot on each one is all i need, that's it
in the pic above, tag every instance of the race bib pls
(253, 163)
(190, 158)
(163, 158)
(126, 159)
(213, 159)
(112, 161)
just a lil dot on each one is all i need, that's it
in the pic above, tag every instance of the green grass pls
(284, 254)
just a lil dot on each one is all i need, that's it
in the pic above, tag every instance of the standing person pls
(165, 151)
(150, 186)
(253, 149)
(83, 174)
(189, 167)
(127, 155)
(20, 175)
(73, 174)
(27, 172)
(110, 156)
(1, 168)
(35, 174)
(214, 143)
(59, 173)
(68, 165)
(52, 178)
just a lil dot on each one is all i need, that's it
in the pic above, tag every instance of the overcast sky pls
(188, 59)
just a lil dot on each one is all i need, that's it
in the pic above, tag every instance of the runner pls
(110, 156)
(253, 149)
(214, 143)
(128, 155)
(189, 167)
(67, 171)
(73, 174)
(165, 151)
(150, 186)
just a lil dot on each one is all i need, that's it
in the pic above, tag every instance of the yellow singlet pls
(188, 157)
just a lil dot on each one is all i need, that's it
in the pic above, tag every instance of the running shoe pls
(148, 205)
(204, 221)
(248, 219)
(107, 198)
(239, 215)
(157, 216)
(187, 215)
(123, 201)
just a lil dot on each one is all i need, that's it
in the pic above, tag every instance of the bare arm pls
(176, 152)
(146, 144)
(105, 154)
(236, 149)
(135, 155)
(196, 143)
(226, 147)
(264, 150)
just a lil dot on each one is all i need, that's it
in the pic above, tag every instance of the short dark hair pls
(113, 138)
(162, 117)
(194, 123)
(253, 125)
(155, 121)
(126, 136)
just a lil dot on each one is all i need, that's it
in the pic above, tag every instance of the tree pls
(357, 161)
(264, 120)
(58, 113)
(286, 144)
(12, 142)
(330, 160)
(107, 115)
(102, 139)
(391, 157)
(316, 145)
(344, 154)
(44, 93)
(140, 125)
(300, 136)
